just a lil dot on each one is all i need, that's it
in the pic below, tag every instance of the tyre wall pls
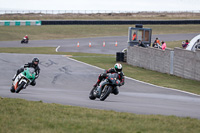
(117, 22)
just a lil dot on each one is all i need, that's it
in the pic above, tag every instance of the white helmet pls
(118, 67)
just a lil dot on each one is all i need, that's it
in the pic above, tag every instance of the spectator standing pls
(134, 36)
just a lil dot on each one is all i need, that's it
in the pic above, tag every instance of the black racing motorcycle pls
(24, 40)
(105, 87)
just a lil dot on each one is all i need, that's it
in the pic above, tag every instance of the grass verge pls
(46, 32)
(26, 116)
(49, 15)
(107, 61)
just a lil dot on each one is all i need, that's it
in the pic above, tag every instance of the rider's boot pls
(115, 91)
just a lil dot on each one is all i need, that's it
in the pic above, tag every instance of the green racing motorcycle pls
(23, 80)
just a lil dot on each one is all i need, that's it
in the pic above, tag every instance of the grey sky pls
(132, 5)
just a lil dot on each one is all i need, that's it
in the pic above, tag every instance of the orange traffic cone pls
(104, 44)
(78, 44)
(116, 44)
(90, 44)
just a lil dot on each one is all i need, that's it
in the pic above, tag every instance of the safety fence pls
(20, 22)
(93, 22)
(117, 22)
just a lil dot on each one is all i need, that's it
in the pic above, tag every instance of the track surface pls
(70, 45)
(66, 81)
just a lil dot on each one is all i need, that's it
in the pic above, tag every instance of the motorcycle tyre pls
(20, 87)
(12, 89)
(106, 94)
(91, 95)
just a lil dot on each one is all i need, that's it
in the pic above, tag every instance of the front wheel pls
(12, 89)
(20, 87)
(106, 92)
(91, 95)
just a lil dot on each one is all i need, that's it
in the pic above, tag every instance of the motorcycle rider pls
(117, 69)
(33, 64)
(26, 39)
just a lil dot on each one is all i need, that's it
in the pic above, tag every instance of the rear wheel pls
(12, 89)
(91, 96)
(106, 92)
(20, 87)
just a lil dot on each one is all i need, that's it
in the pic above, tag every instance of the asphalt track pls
(67, 81)
(70, 45)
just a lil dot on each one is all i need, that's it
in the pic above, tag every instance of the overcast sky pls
(123, 5)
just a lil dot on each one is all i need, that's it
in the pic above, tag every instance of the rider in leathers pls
(33, 64)
(117, 69)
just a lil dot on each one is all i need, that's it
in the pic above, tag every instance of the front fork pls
(99, 88)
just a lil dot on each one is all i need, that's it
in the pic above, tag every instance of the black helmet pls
(35, 61)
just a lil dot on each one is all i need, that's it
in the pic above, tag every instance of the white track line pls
(57, 48)
(139, 80)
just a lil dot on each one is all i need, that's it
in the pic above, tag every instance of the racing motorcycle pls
(23, 80)
(105, 87)
(24, 40)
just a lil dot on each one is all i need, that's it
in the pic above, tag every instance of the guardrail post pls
(171, 62)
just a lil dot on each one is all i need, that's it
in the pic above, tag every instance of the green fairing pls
(28, 75)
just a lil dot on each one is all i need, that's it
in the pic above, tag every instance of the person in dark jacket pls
(33, 64)
(141, 44)
(117, 69)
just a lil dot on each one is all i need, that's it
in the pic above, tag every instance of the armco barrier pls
(116, 22)
(19, 22)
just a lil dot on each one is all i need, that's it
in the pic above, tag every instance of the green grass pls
(26, 116)
(44, 50)
(174, 44)
(107, 61)
(82, 31)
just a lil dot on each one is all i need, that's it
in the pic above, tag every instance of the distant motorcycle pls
(23, 80)
(24, 40)
(105, 87)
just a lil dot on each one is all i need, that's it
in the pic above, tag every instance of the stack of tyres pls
(120, 56)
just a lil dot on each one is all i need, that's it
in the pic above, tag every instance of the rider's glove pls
(103, 74)
(36, 76)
